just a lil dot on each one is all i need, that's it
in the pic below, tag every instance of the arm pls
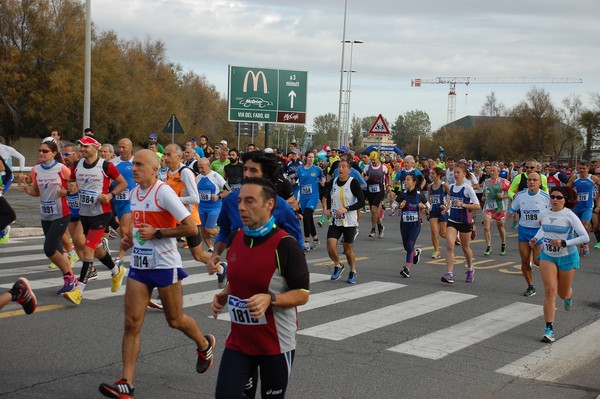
(189, 180)
(514, 186)
(582, 235)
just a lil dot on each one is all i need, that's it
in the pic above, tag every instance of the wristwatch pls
(563, 243)
(273, 299)
(158, 234)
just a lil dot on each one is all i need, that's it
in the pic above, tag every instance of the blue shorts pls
(563, 263)
(154, 278)
(527, 233)
(584, 214)
(309, 203)
(438, 215)
(209, 218)
(122, 207)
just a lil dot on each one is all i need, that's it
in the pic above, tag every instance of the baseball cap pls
(553, 164)
(87, 140)
(223, 142)
(296, 151)
(153, 136)
(49, 139)
(268, 150)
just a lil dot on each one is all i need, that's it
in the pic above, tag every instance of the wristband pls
(273, 299)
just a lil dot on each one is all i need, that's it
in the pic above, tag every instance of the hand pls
(213, 264)
(218, 303)
(126, 242)
(215, 197)
(105, 198)
(341, 211)
(62, 192)
(533, 242)
(258, 305)
(72, 187)
(146, 232)
(328, 213)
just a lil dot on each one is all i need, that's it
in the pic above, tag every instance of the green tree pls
(590, 122)
(325, 130)
(410, 126)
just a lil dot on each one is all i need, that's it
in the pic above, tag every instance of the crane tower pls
(453, 81)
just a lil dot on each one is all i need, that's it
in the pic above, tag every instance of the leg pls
(137, 296)
(501, 231)
(451, 234)
(435, 240)
(275, 373)
(5, 299)
(350, 256)
(487, 233)
(525, 252)
(234, 373)
(332, 250)
(565, 280)
(549, 278)
(465, 243)
(125, 227)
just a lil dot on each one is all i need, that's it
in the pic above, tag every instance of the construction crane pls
(453, 81)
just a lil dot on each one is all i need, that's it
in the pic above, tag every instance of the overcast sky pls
(403, 40)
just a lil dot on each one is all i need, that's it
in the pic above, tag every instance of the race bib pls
(410, 216)
(435, 200)
(205, 195)
(306, 189)
(48, 208)
(122, 196)
(582, 197)
(374, 188)
(88, 197)
(235, 187)
(337, 215)
(73, 202)
(142, 258)
(531, 215)
(240, 314)
(491, 205)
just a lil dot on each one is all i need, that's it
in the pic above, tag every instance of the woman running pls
(412, 202)
(560, 255)
(310, 177)
(7, 214)
(461, 200)
(49, 182)
(438, 220)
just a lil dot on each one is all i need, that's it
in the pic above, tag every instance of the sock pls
(322, 218)
(87, 264)
(81, 286)
(597, 234)
(550, 326)
(110, 263)
(14, 293)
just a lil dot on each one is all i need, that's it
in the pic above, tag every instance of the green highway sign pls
(267, 95)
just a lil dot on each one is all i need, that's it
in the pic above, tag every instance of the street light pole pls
(339, 136)
(349, 91)
(87, 82)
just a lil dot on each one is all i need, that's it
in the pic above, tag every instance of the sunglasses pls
(530, 167)
(557, 197)
(66, 154)
(44, 151)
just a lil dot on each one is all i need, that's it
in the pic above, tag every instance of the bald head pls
(203, 166)
(125, 148)
(145, 167)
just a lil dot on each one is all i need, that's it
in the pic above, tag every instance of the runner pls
(584, 185)
(211, 189)
(49, 182)
(121, 202)
(377, 181)
(461, 199)
(234, 171)
(158, 217)
(22, 294)
(268, 276)
(438, 219)
(71, 157)
(495, 191)
(412, 203)
(310, 178)
(560, 257)
(7, 213)
(531, 202)
(344, 199)
(91, 177)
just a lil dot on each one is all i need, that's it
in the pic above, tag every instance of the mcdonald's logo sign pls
(255, 80)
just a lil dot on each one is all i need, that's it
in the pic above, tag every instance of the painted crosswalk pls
(548, 363)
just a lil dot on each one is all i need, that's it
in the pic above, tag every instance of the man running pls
(495, 191)
(121, 202)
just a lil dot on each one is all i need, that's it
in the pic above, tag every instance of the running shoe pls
(70, 282)
(320, 223)
(112, 234)
(597, 246)
(568, 303)
(470, 276)
(457, 242)
(474, 233)
(185, 245)
(205, 357)
(118, 261)
(503, 250)
(417, 256)
(337, 272)
(314, 245)
(488, 251)
(405, 272)
(155, 304)
(74, 296)
(121, 389)
(5, 235)
(352, 278)
(548, 335)
(104, 243)
(448, 278)
(436, 255)
(514, 224)
(25, 296)
(211, 250)
(117, 279)
(372, 233)
(381, 231)
(222, 277)
(92, 274)
(585, 249)
(73, 257)
(306, 246)
(52, 265)
(530, 291)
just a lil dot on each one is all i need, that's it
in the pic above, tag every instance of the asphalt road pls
(384, 337)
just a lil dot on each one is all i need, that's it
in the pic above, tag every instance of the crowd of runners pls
(261, 206)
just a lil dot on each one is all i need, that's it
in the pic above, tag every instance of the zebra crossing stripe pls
(459, 336)
(558, 359)
(358, 324)
(340, 295)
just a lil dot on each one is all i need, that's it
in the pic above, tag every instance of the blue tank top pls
(437, 198)
(459, 214)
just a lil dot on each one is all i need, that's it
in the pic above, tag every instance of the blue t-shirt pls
(308, 179)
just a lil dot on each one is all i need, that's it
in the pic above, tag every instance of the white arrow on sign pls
(292, 95)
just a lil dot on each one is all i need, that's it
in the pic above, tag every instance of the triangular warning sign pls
(379, 127)
(173, 126)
